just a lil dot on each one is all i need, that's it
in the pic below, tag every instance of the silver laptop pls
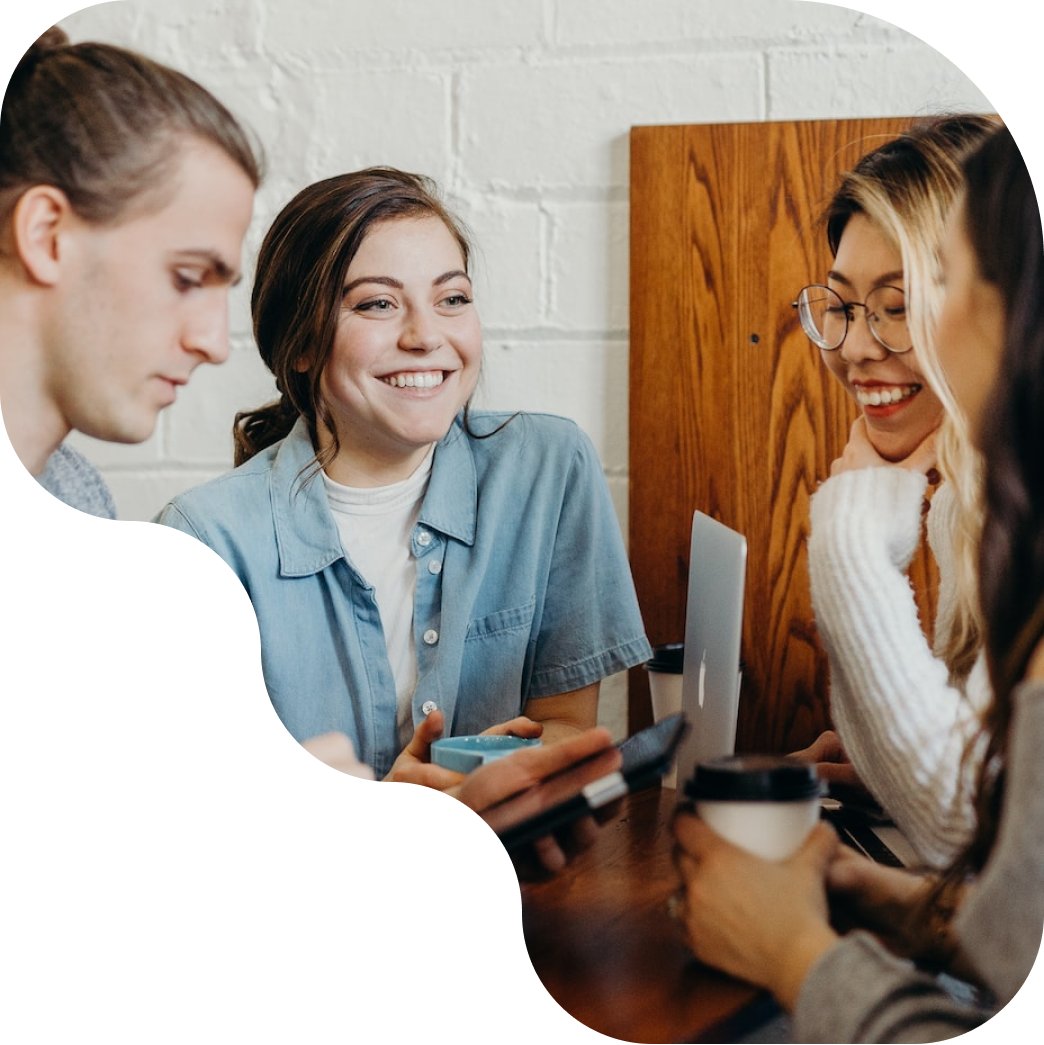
(711, 680)
(713, 628)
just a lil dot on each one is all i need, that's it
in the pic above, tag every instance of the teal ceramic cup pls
(463, 754)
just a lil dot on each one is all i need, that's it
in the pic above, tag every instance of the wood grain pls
(602, 944)
(731, 410)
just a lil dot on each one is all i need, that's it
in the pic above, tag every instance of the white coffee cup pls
(764, 804)
(665, 689)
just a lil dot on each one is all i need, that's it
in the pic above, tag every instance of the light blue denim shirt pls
(523, 587)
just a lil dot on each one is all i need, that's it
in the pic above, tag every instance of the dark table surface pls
(602, 944)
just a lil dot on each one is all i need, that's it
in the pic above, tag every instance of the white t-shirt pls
(376, 527)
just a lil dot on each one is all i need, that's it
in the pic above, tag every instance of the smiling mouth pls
(415, 379)
(884, 395)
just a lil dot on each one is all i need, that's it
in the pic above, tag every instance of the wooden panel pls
(731, 410)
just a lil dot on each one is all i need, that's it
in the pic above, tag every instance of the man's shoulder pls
(71, 478)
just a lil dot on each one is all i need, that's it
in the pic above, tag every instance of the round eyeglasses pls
(825, 317)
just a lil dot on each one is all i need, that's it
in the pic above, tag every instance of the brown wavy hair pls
(296, 300)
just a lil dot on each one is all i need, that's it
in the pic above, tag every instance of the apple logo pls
(703, 674)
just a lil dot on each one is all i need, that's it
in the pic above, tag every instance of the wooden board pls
(731, 410)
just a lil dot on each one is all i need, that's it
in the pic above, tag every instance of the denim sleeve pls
(590, 625)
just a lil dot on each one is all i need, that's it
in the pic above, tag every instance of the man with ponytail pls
(125, 192)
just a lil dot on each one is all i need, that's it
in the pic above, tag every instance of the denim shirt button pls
(431, 636)
(435, 566)
(429, 706)
(424, 538)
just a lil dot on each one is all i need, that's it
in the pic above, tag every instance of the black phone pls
(565, 797)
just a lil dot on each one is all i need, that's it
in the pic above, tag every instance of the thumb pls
(819, 848)
(425, 734)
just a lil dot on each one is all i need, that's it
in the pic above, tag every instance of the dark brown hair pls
(298, 289)
(1002, 222)
(99, 122)
(910, 172)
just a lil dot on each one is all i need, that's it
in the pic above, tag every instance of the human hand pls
(591, 755)
(827, 753)
(860, 452)
(520, 726)
(414, 765)
(763, 921)
(874, 896)
(337, 751)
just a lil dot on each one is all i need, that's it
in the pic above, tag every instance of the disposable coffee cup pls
(665, 689)
(762, 803)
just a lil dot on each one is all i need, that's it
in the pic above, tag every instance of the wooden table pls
(601, 942)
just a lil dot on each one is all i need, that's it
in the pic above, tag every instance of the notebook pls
(713, 629)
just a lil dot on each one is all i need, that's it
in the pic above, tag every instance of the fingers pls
(426, 733)
(516, 727)
(923, 459)
(543, 761)
(518, 772)
(549, 853)
(826, 747)
(819, 848)
(693, 835)
(427, 774)
(840, 773)
(696, 841)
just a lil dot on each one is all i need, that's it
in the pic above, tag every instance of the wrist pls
(797, 963)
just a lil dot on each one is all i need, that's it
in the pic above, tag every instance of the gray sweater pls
(71, 478)
(859, 992)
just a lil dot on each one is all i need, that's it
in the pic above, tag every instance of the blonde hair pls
(907, 188)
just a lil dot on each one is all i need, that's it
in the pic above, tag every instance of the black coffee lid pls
(669, 658)
(753, 778)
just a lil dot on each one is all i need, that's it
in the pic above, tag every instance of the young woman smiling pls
(413, 564)
(983, 918)
(903, 709)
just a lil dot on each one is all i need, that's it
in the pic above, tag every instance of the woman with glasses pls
(980, 920)
(903, 709)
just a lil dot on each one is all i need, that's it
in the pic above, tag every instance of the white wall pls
(521, 112)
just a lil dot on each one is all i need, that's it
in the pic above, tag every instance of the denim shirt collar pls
(306, 533)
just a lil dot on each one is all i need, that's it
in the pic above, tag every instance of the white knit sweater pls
(903, 725)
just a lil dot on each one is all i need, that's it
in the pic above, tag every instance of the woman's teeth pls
(429, 379)
(885, 396)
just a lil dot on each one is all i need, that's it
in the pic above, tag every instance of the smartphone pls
(559, 800)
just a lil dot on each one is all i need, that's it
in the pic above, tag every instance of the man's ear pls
(40, 215)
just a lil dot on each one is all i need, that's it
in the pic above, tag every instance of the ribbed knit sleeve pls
(903, 725)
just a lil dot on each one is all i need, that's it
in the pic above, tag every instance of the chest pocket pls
(496, 667)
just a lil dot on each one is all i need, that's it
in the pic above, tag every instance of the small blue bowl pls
(463, 754)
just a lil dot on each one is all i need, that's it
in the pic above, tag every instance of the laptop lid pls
(713, 629)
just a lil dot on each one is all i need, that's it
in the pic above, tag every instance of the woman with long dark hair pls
(982, 918)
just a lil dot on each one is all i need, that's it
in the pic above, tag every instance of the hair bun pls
(50, 40)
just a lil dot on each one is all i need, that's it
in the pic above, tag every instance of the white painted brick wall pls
(522, 112)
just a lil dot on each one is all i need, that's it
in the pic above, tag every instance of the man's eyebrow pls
(216, 263)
